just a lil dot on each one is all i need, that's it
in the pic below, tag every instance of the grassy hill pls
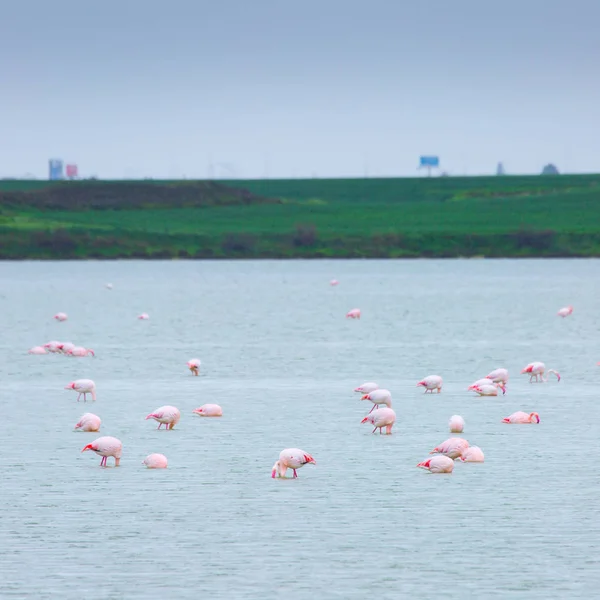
(436, 217)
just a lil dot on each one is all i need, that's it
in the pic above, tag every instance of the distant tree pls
(550, 169)
(500, 169)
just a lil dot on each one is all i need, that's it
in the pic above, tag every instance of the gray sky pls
(131, 88)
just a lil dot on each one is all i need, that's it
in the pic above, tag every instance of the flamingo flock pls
(381, 416)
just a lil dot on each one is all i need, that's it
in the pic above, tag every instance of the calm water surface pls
(279, 356)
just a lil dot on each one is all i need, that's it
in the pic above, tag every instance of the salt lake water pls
(281, 359)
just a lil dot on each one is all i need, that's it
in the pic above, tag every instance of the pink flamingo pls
(209, 410)
(53, 346)
(452, 448)
(143, 316)
(165, 415)
(106, 446)
(430, 383)
(291, 458)
(487, 382)
(537, 369)
(155, 461)
(383, 417)
(67, 347)
(472, 454)
(498, 376)
(367, 388)
(334, 282)
(488, 389)
(80, 351)
(565, 312)
(353, 314)
(83, 386)
(522, 417)
(378, 397)
(37, 350)
(194, 366)
(89, 422)
(456, 424)
(61, 316)
(438, 464)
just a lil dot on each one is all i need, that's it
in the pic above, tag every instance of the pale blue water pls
(279, 356)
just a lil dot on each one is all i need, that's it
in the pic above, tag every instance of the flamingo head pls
(502, 387)
(308, 459)
(527, 369)
(71, 386)
(90, 351)
(475, 388)
(151, 416)
(421, 383)
(367, 419)
(425, 464)
(89, 447)
(535, 416)
(365, 397)
(197, 411)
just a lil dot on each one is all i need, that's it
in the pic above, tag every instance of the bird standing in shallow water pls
(106, 446)
(291, 458)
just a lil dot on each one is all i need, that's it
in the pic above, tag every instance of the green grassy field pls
(491, 216)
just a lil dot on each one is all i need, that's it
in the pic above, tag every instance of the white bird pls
(430, 383)
(291, 458)
(489, 389)
(209, 410)
(37, 350)
(109, 286)
(106, 446)
(456, 424)
(61, 316)
(498, 376)
(156, 461)
(537, 370)
(378, 397)
(472, 454)
(89, 422)
(452, 447)
(144, 316)
(165, 415)
(194, 366)
(367, 388)
(438, 464)
(53, 346)
(83, 386)
(383, 417)
(565, 312)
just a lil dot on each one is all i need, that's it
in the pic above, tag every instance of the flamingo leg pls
(78, 396)
(159, 426)
(373, 408)
(388, 430)
(374, 430)
(85, 396)
(295, 474)
(439, 390)
(380, 430)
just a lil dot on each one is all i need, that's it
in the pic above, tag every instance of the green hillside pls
(433, 217)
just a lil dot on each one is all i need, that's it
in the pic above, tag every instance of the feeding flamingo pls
(165, 415)
(67, 347)
(565, 312)
(451, 448)
(353, 314)
(498, 376)
(155, 461)
(89, 422)
(488, 389)
(472, 454)
(521, 417)
(143, 317)
(194, 366)
(37, 350)
(61, 316)
(83, 386)
(367, 388)
(430, 383)
(106, 446)
(438, 464)
(378, 397)
(537, 369)
(53, 346)
(291, 458)
(209, 410)
(79, 351)
(334, 282)
(383, 417)
(456, 424)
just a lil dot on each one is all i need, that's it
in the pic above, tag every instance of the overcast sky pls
(131, 88)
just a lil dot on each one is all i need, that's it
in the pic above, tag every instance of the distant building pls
(500, 169)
